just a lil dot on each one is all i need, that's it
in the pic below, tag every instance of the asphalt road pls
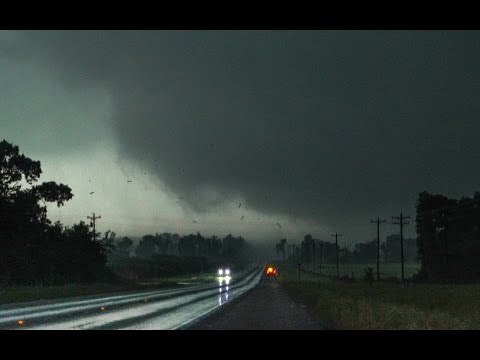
(162, 309)
(266, 307)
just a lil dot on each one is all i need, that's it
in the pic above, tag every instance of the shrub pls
(368, 276)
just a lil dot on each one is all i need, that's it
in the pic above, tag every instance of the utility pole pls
(401, 222)
(94, 218)
(378, 221)
(321, 257)
(313, 243)
(336, 251)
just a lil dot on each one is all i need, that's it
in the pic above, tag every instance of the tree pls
(280, 247)
(391, 249)
(13, 168)
(162, 243)
(23, 215)
(307, 248)
(146, 247)
(329, 252)
(233, 246)
(214, 246)
(123, 247)
(368, 276)
(365, 252)
(108, 241)
(345, 255)
(448, 234)
(83, 259)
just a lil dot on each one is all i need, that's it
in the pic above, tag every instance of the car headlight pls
(227, 272)
(220, 272)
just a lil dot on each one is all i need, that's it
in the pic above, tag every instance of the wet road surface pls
(266, 307)
(162, 309)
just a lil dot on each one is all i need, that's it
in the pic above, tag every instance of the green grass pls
(384, 305)
(16, 294)
(357, 270)
(184, 279)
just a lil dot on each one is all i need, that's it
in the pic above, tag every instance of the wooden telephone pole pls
(321, 257)
(378, 221)
(401, 222)
(313, 244)
(336, 251)
(94, 218)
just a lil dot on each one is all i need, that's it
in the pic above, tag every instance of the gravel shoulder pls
(266, 307)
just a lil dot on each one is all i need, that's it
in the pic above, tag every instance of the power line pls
(378, 222)
(401, 222)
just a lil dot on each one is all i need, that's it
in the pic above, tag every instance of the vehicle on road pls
(271, 271)
(224, 276)
(224, 272)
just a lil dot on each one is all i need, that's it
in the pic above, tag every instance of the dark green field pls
(15, 294)
(383, 305)
(357, 270)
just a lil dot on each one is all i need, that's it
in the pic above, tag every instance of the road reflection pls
(223, 287)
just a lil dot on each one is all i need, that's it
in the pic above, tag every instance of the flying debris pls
(129, 181)
(92, 192)
(242, 217)
(279, 225)
(195, 222)
(240, 205)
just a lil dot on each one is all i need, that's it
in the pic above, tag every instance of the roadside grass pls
(207, 277)
(17, 294)
(387, 270)
(383, 305)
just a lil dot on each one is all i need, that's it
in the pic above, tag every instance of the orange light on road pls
(21, 322)
(271, 270)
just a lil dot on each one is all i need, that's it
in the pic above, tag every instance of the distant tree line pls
(171, 254)
(230, 247)
(361, 253)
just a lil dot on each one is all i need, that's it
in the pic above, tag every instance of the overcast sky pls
(316, 131)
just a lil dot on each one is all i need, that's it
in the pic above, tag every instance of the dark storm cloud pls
(334, 127)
